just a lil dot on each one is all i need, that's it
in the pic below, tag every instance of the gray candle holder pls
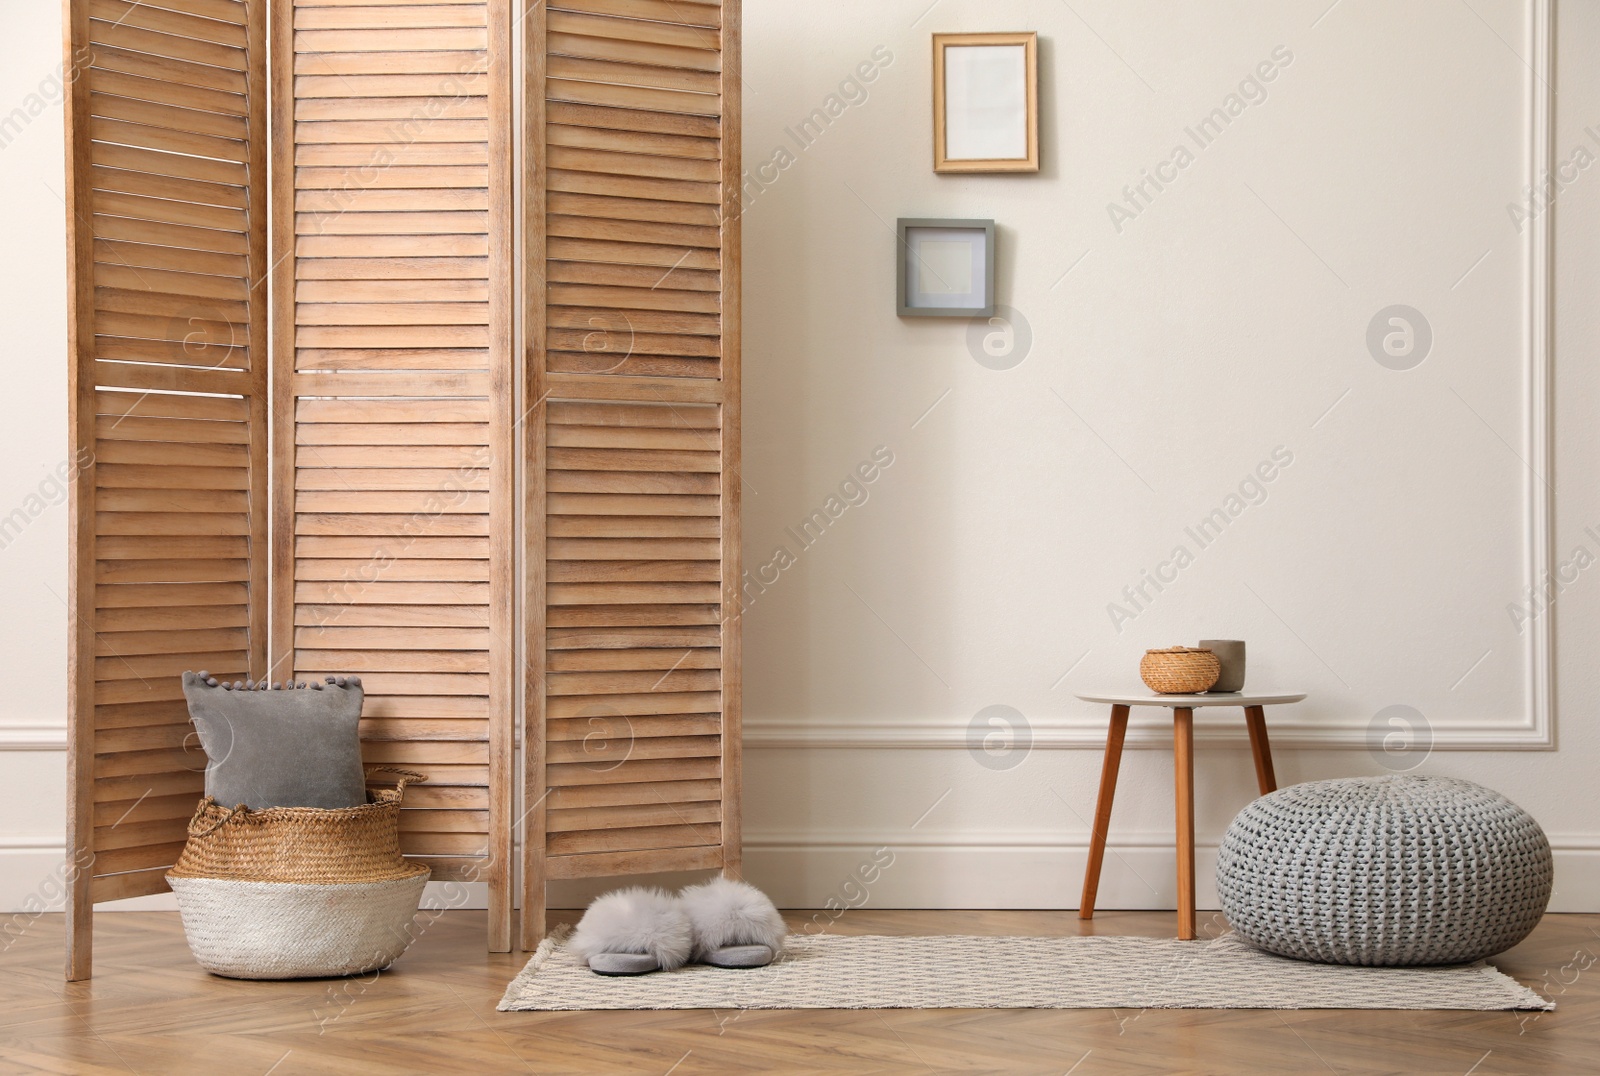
(1230, 653)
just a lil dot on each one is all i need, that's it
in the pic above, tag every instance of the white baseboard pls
(924, 870)
(1034, 871)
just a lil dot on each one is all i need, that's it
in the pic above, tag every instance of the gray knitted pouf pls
(1396, 870)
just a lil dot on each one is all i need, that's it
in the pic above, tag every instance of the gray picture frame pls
(905, 305)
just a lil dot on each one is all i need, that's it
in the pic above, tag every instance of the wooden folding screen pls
(632, 145)
(166, 187)
(394, 432)
(393, 468)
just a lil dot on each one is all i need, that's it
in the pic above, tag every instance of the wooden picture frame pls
(986, 102)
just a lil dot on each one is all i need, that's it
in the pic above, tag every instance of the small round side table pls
(1183, 708)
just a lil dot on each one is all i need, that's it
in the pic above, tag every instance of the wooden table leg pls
(1255, 719)
(1183, 763)
(1102, 809)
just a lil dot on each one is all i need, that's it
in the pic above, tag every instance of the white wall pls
(1223, 321)
(1168, 360)
(33, 441)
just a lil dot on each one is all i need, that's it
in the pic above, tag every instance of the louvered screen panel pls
(634, 722)
(633, 630)
(167, 216)
(393, 456)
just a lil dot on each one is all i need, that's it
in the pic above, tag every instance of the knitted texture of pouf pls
(1384, 871)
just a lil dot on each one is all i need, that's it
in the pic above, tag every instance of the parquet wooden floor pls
(149, 1009)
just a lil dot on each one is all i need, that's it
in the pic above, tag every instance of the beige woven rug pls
(963, 972)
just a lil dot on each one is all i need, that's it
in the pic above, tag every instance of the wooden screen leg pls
(535, 868)
(1102, 809)
(80, 928)
(80, 826)
(533, 904)
(1183, 763)
(500, 911)
(1255, 719)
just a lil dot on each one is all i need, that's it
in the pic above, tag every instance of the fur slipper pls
(735, 925)
(633, 931)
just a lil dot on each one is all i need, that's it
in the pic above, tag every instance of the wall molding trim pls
(13, 844)
(33, 737)
(1537, 729)
(856, 840)
(1534, 730)
(1089, 733)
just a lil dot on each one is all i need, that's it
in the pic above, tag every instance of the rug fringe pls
(1534, 999)
(552, 941)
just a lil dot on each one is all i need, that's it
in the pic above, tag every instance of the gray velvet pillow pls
(279, 745)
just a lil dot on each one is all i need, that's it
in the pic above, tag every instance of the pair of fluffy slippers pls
(722, 922)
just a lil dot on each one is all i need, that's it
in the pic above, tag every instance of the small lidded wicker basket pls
(1179, 670)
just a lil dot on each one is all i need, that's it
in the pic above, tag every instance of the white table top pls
(1221, 698)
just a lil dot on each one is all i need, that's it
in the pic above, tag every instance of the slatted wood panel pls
(632, 145)
(393, 395)
(166, 178)
(633, 707)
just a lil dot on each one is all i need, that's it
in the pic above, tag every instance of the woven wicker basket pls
(295, 892)
(1179, 670)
